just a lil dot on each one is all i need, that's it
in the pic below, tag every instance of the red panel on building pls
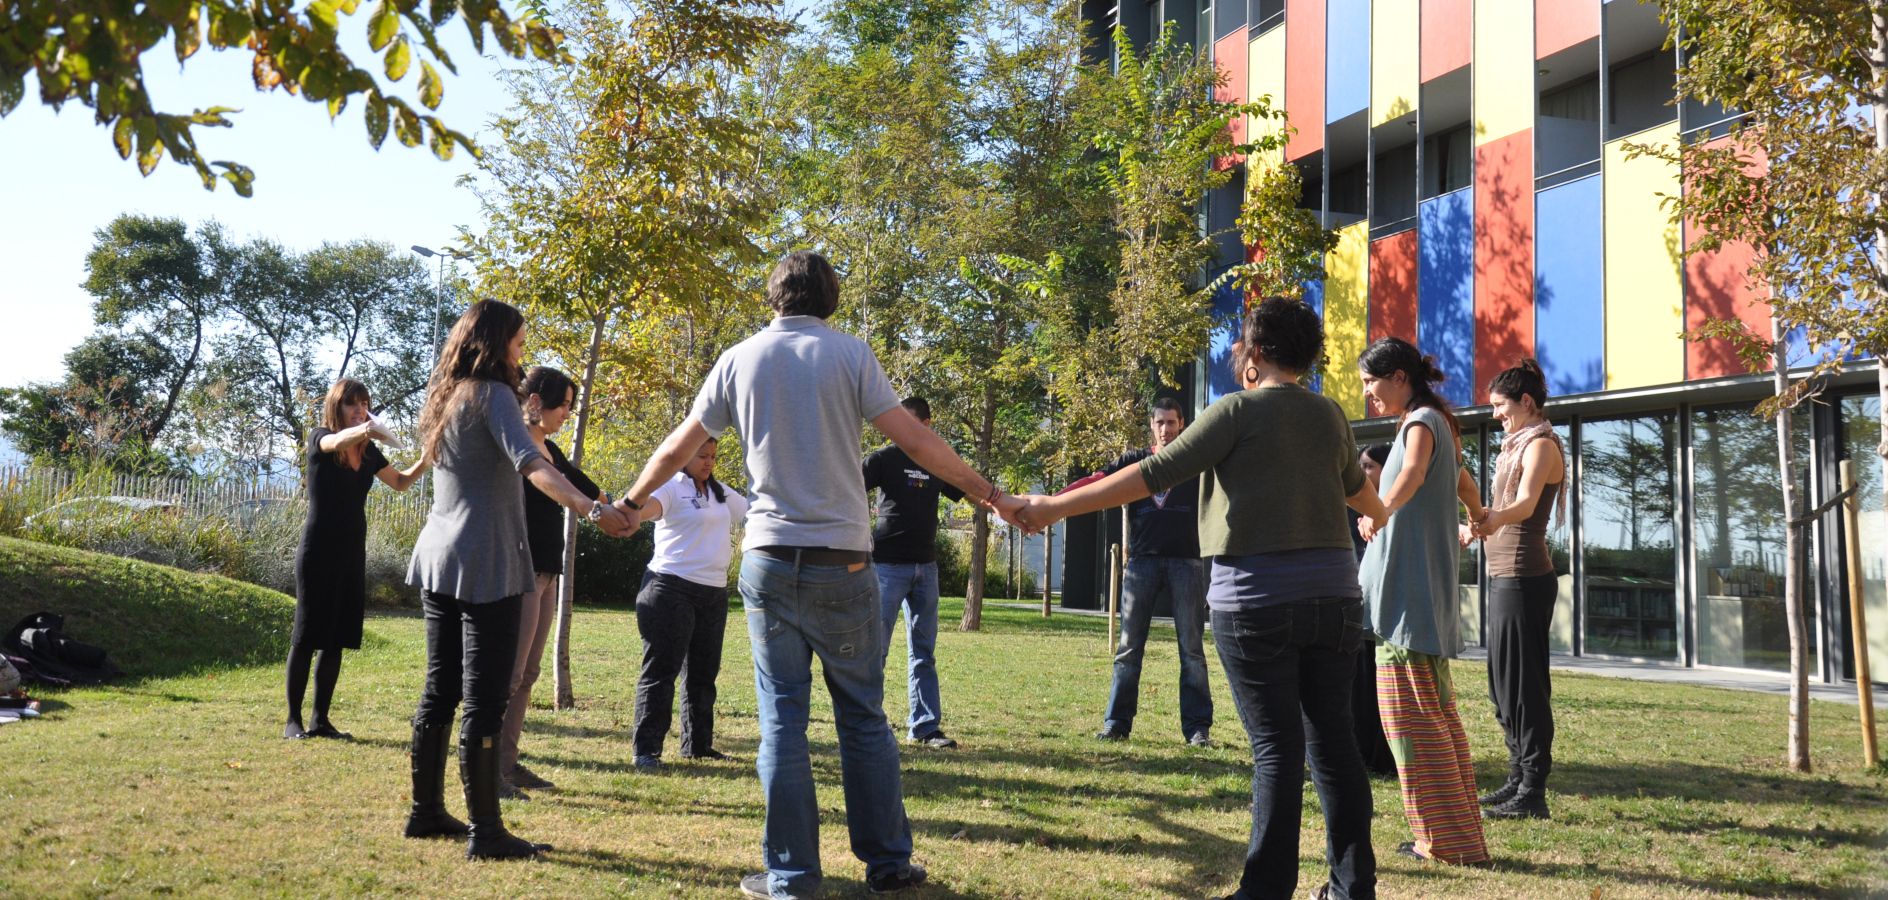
(1717, 287)
(1393, 286)
(1304, 76)
(1229, 55)
(1447, 28)
(1504, 256)
(1559, 24)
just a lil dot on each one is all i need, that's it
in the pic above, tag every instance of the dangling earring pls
(1251, 375)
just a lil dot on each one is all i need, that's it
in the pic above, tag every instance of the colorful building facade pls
(1476, 158)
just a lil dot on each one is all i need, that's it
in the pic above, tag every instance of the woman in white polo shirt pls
(682, 610)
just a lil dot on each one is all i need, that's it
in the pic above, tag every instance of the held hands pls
(1010, 507)
(1367, 528)
(616, 522)
(1468, 534)
(1034, 513)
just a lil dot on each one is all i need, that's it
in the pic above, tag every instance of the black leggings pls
(327, 665)
(469, 651)
(1520, 614)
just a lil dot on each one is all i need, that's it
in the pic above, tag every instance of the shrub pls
(953, 568)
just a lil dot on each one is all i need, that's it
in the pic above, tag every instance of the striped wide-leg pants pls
(1417, 700)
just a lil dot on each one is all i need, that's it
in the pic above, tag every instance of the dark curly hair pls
(1387, 356)
(1524, 380)
(1286, 332)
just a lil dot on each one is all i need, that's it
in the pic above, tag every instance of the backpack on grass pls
(41, 640)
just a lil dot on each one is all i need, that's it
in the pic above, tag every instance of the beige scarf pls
(1508, 468)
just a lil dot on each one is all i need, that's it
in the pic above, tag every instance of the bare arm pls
(1123, 487)
(1469, 494)
(1418, 445)
(1366, 503)
(928, 450)
(676, 450)
(1539, 465)
(336, 441)
(403, 479)
(554, 485)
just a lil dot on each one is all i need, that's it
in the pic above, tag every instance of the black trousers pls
(469, 651)
(682, 625)
(1520, 613)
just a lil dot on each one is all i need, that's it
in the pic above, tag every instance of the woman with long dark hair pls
(682, 610)
(1522, 586)
(1277, 466)
(548, 396)
(1410, 586)
(472, 566)
(331, 561)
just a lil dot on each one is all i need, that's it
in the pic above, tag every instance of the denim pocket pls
(762, 625)
(850, 623)
(1350, 633)
(1262, 634)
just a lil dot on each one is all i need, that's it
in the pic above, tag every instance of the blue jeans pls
(1290, 669)
(794, 613)
(913, 586)
(1184, 580)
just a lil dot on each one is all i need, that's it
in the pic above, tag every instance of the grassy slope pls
(180, 784)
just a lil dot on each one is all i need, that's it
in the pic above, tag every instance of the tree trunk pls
(1793, 546)
(1878, 64)
(980, 524)
(567, 585)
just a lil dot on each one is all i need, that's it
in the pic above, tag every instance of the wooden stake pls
(1114, 592)
(1858, 620)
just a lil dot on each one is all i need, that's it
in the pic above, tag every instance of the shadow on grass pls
(1706, 783)
(1752, 886)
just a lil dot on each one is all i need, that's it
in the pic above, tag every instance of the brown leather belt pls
(814, 556)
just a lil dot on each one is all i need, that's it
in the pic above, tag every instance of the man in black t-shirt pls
(1163, 555)
(904, 552)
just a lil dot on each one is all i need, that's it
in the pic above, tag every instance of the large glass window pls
(1740, 533)
(1470, 573)
(1861, 434)
(1630, 563)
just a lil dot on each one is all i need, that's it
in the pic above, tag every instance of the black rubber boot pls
(429, 817)
(478, 767)
(1507, 790)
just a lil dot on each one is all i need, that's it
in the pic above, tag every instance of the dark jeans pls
(1290, 668)
(1520, 613)
(682, 624)
(1184, 580)
(469, 651)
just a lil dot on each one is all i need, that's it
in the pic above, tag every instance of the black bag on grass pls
(56, 658)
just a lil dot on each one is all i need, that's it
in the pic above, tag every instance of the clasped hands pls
(618, 520)
(1029, 512)
(1467, 533)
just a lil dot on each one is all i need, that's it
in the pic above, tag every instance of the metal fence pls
(41, 487)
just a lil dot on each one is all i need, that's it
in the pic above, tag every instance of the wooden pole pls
(1858, 620)
(1114, 591)
(1048, 560)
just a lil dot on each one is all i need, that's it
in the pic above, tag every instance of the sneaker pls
(509, 791)
(710, 753)
(936, 741)
(525, 778)
(644, 761)
(757, 886)
(1524, 804)
(1199, 739)
(1109, 734)
(327, 730)
(911, 876)
(1501, 794)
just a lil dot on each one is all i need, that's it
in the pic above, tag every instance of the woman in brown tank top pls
(1529, 485)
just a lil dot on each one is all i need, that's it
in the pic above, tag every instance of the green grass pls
(177, 782)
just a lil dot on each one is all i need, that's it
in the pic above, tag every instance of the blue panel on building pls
(1314, 297)
(1228, 307)
(1570, 287)
(1445, 290)
(1346, 58)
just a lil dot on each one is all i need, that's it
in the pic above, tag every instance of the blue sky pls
(315, 181)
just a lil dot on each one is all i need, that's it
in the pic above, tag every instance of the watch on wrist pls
(596, 511)
(630, 503)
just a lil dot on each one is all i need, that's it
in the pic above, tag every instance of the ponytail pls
(1524, 380)
(1387, 356)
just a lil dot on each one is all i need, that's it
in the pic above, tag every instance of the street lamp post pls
(439, 289)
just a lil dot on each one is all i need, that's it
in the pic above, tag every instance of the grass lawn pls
(177, 782)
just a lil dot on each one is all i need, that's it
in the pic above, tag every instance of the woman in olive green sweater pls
(1277, 465)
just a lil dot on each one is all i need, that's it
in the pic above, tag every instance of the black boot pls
(429, 817)
(478, 768)
(1507, 790)
(1529, 802)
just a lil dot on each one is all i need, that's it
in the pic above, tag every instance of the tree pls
(623, 193)
(101, 411)
(1799, 181)
(93, 53)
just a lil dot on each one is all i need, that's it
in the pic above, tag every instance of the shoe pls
(478, 768)
(1199, 739)
(645, 761)
(757, 886)
(1525, 804)
(293, 731)
(525, 778)
(1408, 848)
(1501, 794)
(327, 730)
(911, 876)
(1109, 734)
(429, 817)
(509, 791)
(936, 741)
(710, 753)
(1321, 892)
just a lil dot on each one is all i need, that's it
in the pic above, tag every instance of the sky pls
(316, 181)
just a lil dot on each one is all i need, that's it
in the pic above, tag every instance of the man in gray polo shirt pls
(798, 394)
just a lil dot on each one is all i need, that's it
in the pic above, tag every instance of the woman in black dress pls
(331, 563)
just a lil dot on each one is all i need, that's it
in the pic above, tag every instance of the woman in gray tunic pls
(472, 565)
(1410, 587)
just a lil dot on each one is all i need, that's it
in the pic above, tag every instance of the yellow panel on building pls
(1503, 68)
(1395, 77)
(1645, 301)
(1265, 77)
(1346, 316)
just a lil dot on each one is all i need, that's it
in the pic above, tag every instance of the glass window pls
(1861, 433)
(1470, 573)
(1739, 535)
(1630, 563)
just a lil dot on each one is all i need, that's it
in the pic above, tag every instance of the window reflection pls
(1740, 537)
(1630, 563)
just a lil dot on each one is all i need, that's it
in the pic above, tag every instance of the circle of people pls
(1329, 577)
